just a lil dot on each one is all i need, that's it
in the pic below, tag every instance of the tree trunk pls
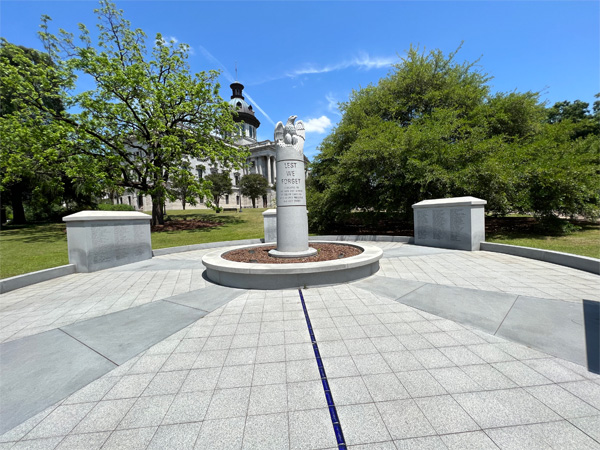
(253, 202)
(157, 212)
(16, 199)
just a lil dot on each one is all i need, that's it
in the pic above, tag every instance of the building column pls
(268, 163)
(274, 169)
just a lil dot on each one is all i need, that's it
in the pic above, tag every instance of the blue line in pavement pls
(335, 421)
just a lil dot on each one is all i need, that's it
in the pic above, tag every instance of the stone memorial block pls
(457, 223)
(270, 225)
(292, 219)
(101, 239)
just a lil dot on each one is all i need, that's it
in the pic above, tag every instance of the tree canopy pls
(433, 129)
(219, 185)
(145, 114)
(253, 185)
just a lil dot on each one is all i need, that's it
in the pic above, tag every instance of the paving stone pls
(385, 387)
(271, 353)
(235, 376)
(266, 431)
(589, 425)
(404, 419)
(553, 370)
(166, 383)
(93, 392)
(311, 429)
(268, 399)
(362, 424)
(147, 412)
(226, 403)
(294, 352)
(269, 373)
(402, 361)
(201, 379)
(421, 443)
(546, 435)
(431, 358)
(175, 437)
(360, 346)
(129, 386)
(454, 380)
(88, 441)
(302, 370)
(240, 356)
(210, 358)
(133, 439)
(504, 408)
(487, 377)
(60, 421)
(586, 390)
(349, 391)
(306, 395)
(38, 444)
(562, 402)
(420, 383)
(387, 344)
(333, 348)
(490, 353)
(188, 407)
(389, 445)
(474, 440)
(105, 416)
(371, 364)
(445, 415)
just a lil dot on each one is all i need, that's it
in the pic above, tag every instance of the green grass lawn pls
(41, 246)
(585, 242)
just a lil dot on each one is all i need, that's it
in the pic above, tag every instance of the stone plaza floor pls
(440, 349)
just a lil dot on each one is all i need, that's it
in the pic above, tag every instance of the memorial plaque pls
(290, 183)
(439, 224)
(457, 224)
(422, 223)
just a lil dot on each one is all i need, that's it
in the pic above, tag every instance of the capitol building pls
(261, 161)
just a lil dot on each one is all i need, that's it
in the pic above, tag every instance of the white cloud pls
(319, 125)
(332, 104)
(361, 61)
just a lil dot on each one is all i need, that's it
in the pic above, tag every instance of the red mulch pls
(326, 252)
(189, 224)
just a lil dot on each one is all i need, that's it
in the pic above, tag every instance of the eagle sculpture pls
(291, 134)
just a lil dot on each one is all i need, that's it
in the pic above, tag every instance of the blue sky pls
(303, 57)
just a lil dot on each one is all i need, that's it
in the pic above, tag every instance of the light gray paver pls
(245, 376)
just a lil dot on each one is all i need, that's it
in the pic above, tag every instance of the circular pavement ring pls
(293, 275)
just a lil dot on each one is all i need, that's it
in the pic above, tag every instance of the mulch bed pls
(326, 252)
(189, 224)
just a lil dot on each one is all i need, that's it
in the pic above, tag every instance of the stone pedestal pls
(101, 239)
(292, 219)
(270, 225)
(457, 223)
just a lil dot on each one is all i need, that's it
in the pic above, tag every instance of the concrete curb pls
(584, 263)
(19, 281)
(190, 248)
(364, 237)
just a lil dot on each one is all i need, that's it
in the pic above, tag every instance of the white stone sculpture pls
(292, 220)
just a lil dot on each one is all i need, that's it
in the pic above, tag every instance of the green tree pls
(432, 129)
(146, 112)
(220, 184)
(253, 185)
(183, 186)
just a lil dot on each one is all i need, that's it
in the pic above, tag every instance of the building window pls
(226, 199)
(237, 179)
(129, 198)
(237, 199)
(140, 201)
(200, 171)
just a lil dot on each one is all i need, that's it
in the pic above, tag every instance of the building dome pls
(244, 111)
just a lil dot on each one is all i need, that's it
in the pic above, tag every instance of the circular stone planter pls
(292, 275)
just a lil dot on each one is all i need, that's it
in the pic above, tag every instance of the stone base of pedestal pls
(102, 239)
(270, 225)
(457, 223)
(304, 254)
